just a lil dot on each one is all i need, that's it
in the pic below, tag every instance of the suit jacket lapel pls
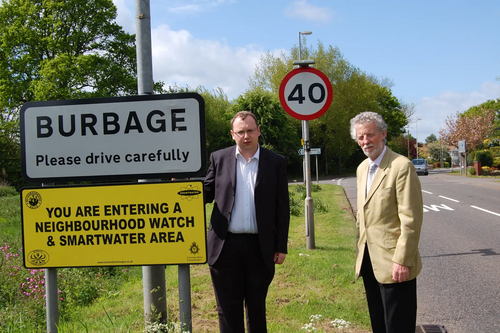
(231, 162)
(263, 162)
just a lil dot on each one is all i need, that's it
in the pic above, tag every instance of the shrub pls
(485, 157)
(8, 191)
(470, 159)
(320, 206)
(495, 151)
(472, 171)
(496, 162)
(296, 207)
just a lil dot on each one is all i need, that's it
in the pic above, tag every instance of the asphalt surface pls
(493, 183)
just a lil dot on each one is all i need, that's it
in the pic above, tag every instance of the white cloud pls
(491, 90)
(302, 9)
(433, 111)
(125, 18)
(197, 6)
(181, 59)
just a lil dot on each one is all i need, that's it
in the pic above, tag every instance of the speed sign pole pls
(306, 94)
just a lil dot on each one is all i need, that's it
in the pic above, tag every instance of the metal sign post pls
(306, 93)
(463, 160)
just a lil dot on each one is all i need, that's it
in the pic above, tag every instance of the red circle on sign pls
(295, 79)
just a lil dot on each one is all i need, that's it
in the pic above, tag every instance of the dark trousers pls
(241, 278)
(393, 307)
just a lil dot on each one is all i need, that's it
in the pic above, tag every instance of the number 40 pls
(297, 95)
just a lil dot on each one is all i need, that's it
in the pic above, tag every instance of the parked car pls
(421, 166)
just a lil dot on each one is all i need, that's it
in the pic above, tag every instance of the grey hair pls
(367, 117)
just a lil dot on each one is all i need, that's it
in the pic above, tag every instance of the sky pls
(443, 56)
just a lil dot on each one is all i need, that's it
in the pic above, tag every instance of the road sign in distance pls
(306, 93)
(313, 151)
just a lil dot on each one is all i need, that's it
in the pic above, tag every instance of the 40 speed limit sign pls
(306, 93)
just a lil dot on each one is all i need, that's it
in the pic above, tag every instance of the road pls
(459, 286)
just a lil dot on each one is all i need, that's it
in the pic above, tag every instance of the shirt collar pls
(379, 158)
(256, 155)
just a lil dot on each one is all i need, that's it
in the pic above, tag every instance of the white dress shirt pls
(374, 164)
(243, 216)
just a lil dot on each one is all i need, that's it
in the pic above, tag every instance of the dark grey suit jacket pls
(272, 206)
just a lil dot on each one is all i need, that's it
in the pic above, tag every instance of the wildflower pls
(340, 323)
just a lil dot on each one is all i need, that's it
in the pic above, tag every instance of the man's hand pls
(279, 258)
(400, 273)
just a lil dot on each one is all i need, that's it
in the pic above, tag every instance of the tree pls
(60, 49)
(438, 151)
(218, 114)
(471, 127)
(54, 49)
(408, 109)
(490, 105)
(10, 171)
(431, 138)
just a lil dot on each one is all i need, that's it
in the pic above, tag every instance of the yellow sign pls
(114, 225)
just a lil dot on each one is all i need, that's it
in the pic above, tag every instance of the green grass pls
(310, 282)
(10, 220)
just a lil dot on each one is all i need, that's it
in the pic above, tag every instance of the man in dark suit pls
(248, 230)
(389, 220)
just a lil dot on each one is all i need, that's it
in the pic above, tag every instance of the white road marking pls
(436, 207)
(427, 192)
(484, 210)
(448, 198)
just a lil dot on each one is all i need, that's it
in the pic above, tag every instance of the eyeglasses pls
(250, 132)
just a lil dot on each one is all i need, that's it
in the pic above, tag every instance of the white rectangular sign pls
(461, 146)
(313, 151)
(152, 136)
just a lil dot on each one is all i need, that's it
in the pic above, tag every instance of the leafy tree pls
(404, 145)
(471, 127)
(390, 108)
(489, 105)
(431, 138)
(60, 49)
(437, 150)
(218, 114)
(10, 171)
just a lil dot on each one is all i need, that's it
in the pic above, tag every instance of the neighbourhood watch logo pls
(33, 200)
(38, 257)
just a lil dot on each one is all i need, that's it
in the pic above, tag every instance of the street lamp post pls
(300, 47)
(408, 139)
(416, 126)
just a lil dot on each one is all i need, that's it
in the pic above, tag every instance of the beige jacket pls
(389, 218)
